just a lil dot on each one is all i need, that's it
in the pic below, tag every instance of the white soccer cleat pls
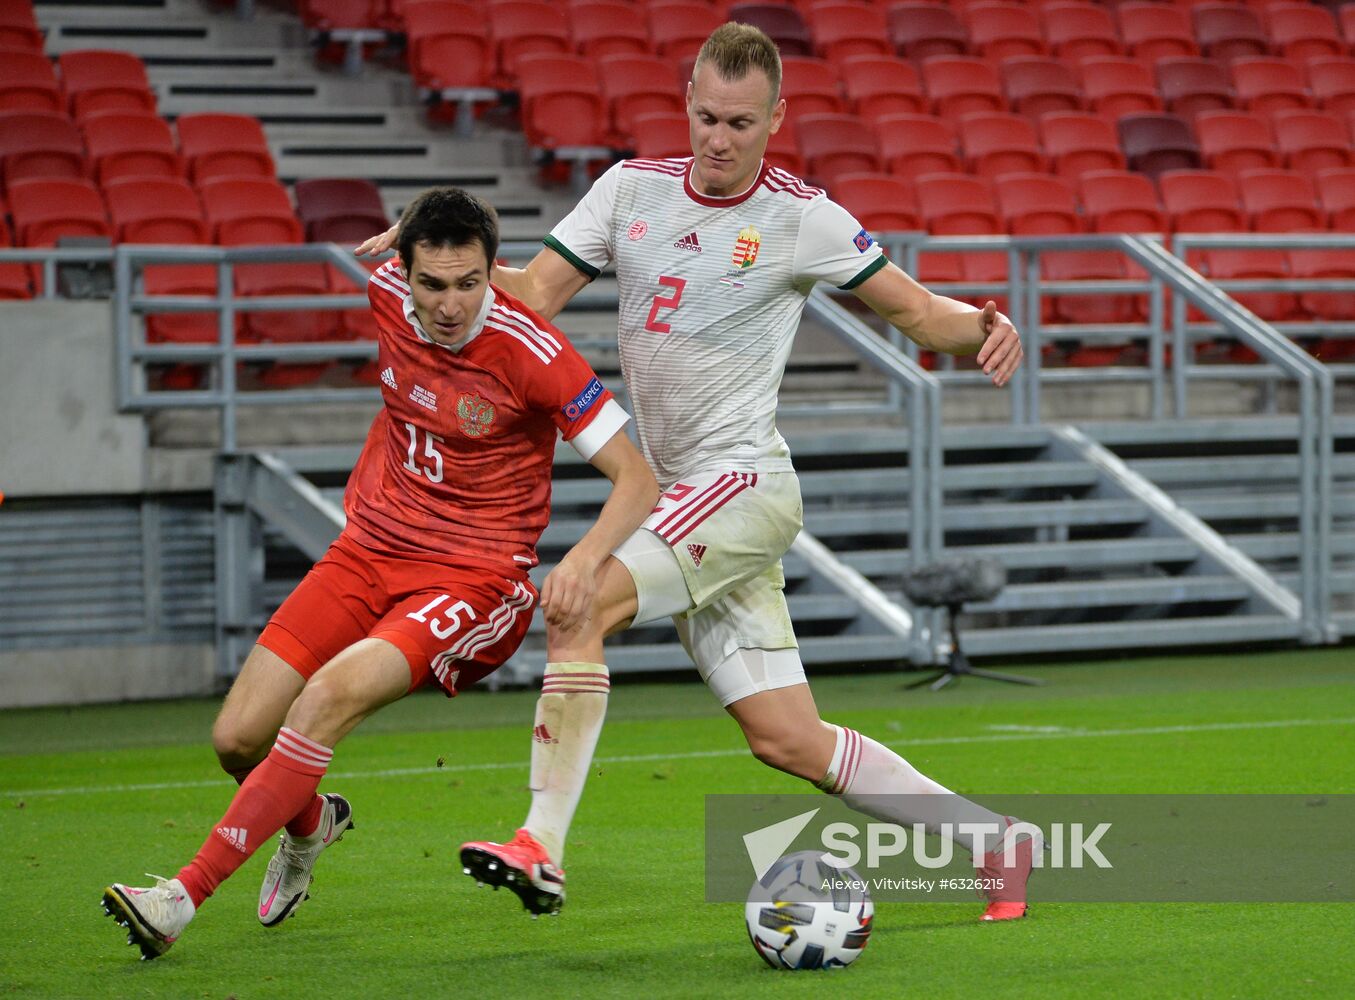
(154, 917)
(289, 870)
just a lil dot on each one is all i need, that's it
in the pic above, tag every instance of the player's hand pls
(377, 244)
(568, 593)
(1001, 353)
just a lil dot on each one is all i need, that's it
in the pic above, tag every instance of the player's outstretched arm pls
(939, 323)
(568, 592)
(544, 285)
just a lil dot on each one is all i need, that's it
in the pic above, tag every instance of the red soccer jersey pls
(457, 466)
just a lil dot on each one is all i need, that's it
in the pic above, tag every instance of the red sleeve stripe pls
(788, 184)
(657, 170)
(679, 524)
(676, 166)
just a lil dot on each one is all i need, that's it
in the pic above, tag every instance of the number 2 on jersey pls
(665, 302)
(430, 451)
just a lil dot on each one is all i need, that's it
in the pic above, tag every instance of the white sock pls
(878, 782)
(569, 717)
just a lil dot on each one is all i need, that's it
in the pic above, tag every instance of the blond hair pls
(736, 49)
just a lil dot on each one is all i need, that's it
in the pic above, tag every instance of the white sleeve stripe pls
(380, 283)
(391, 271)
(524, 332)
(539, 330)
(610, 419)
(529, 345)
(521, 322)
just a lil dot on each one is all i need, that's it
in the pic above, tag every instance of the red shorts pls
(455, 625)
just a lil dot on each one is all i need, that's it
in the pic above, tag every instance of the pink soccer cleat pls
(1007, 895)
(523, 865)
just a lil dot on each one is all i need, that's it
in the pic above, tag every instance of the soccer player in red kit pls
(428, 582)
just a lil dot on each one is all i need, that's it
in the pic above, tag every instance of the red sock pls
(304, 823)
(279, 788)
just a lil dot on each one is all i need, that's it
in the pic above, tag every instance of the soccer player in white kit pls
(715, 255)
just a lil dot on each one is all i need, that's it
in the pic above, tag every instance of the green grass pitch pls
(94, 795)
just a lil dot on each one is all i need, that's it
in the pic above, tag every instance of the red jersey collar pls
(732, 200)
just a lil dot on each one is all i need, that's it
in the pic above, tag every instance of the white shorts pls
(710, 556)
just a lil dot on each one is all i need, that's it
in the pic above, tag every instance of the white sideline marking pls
(1029, 729)
(1038, 733)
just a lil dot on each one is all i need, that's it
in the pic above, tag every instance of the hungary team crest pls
(746, 247)
(474, 414)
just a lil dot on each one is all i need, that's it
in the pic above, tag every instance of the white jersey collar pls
(476, 326)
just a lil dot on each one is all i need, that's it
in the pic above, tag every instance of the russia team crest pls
(474, 414)
(746, 247)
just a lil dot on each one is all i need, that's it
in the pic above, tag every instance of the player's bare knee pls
(781, 751)
(237, 745)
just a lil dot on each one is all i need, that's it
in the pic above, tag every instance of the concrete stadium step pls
(1107, 554)
(832, 485)
(1342, 582)
(839, 523)
(1173, 472)
(1115, 593)
(1285, 544)
(1256, 506)
(1134, 634)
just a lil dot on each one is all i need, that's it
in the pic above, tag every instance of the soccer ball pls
(807, 914)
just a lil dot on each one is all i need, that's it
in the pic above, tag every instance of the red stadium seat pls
(339, 209)
(28, 82)
(1336, 194)
(881, 203)
(448, 44)
(782, 24)
(14, 281)
(1203, 201)
(1301, 31)
(663, 134)
(602, 28)
(1037, 204)
(1234, 141)
(845, 28)
(562, 103)
(997, 143)
(810, 87)
(836, 144)
(1156, 143)
(1332, 82)
(961, 205)
(1036, 85)
(919, 31)
(245, 211)
(1267, 84)
(130, 144)
(1280, 201)
(1118, 85)
(46, 210)
(882, 85)
(1121, 202)
(961, 84)
(1191, 85)
(221, 145)
(99, 80)
(1077, 142)
(1228, 31)
(39, 144)
(998, 30)
(1076, 30)
(19, 28)
(1153, 31)
(525, 27)
(679, 29)
(330, 15)
(155, 210)
(914, 145)
(636, 85)
(1345, 16)
(782, 150)
(957, 205)
(1312, 140)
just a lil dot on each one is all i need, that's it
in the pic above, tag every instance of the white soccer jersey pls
(711, 293)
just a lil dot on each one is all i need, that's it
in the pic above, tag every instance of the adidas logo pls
(689, 242)
(696, 552)
(235, 836)
(542, 735)
(388, 377)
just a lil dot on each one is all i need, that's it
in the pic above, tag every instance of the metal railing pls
(913, 393)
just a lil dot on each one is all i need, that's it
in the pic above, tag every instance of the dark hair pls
(447, 217)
